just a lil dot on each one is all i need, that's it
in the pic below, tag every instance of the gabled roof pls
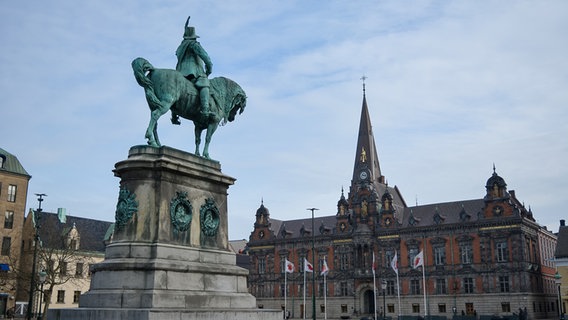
(293, 228)
(443, 213)
(92, 232)
(10, 163)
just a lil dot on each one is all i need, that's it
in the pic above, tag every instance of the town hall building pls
(485, 256)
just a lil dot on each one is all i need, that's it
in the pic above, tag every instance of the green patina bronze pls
(209, 214)
(181, 212)
(188, 93)
(126, 207)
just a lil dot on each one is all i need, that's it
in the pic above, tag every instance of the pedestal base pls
(164, 263)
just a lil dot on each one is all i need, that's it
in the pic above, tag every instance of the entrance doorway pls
(368, 302)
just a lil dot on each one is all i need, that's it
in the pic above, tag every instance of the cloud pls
(452, 87)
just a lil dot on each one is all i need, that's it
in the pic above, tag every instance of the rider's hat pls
(189, 31)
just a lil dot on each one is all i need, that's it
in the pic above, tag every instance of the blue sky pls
(453, 87)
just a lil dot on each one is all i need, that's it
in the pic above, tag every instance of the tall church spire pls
(366, 159)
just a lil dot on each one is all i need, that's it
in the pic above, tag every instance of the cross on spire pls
(363, 78)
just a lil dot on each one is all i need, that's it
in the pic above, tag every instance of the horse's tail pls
(141, 66)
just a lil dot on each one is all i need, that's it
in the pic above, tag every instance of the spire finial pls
(363, 78)
(494, 168)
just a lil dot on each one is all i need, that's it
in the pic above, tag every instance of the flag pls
(394, 262)
(324, 269)
(308, 266)
(418, 260)
(373, 265)
(289, 266)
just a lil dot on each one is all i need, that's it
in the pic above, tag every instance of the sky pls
(453, 88)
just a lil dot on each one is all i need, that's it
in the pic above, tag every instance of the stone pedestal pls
(169, 257)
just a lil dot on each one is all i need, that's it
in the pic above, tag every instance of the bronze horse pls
(167, 89)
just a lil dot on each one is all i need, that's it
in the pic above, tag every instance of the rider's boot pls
(204, 97)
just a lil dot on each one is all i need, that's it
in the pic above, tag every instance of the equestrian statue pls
(188, 92)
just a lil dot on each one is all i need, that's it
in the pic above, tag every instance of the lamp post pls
(36, 240)
(558, 281)
(42, 276)
(314, 262)
(384, 287)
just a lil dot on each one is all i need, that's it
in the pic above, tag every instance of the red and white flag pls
(394, 262)
(308, 266)
(373, 264)
(418, 260)
(289, 266)
(324, 269)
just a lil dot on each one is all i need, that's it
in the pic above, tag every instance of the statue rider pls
(191, 60)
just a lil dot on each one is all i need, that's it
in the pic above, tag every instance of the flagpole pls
(285, 290)
(325, 296)
(424, 283)
(398, 292)
(304, 289)
(375, 293)
(374, 285)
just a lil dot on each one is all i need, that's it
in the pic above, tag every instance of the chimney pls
(562, 223)
(512, 193)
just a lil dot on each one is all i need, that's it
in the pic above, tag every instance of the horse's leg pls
(152, 130)
(156, 134)
(198, 129)
(210, 130)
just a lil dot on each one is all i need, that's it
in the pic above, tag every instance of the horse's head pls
(239, 104)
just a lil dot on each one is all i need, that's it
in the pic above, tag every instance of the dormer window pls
(73, 238)
(2, 161)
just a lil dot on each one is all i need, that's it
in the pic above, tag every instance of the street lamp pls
(558, 281)
(42, 276)
(384, 287)
(314, 262)
(36, 240)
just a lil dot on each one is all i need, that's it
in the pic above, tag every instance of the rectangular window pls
(441, 287)
(260, 290)
(504, 283)
(12, 189)
(79, 270)
(415, 308)
(60, 296)
(282, 288)
(62, 268)
(344, 261)
(505, 307)
(343, 308)
(50, 266)
(76, 295)
(415, 286)
(466, 254)
(412, 252)
(468, 285)
(261, 265)
(9, 220)
(6, 245)
(389, 254)
(322, 308)
(343, 287)
(502, 252)
(390, 308)
(440, 256)
(441, 307)
(391, 287)
(469, 310)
